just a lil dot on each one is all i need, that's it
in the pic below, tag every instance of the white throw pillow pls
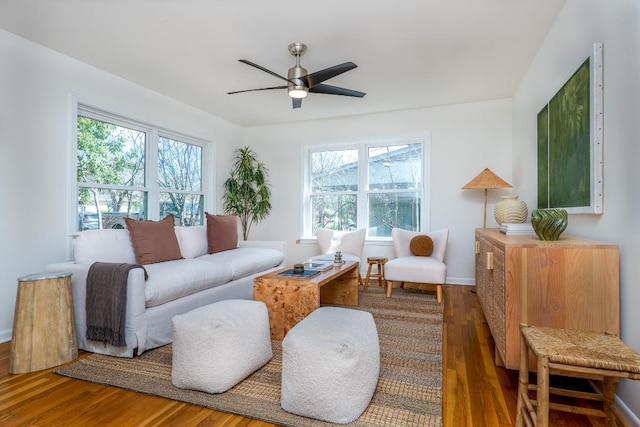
(110, 245)
(349, 242)
(192, 241)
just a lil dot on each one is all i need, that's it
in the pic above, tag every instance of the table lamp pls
(483, 181)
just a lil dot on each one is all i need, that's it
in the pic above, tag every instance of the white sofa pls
(173, 287)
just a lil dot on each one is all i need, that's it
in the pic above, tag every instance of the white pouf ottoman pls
(218, 345)
(330, 365)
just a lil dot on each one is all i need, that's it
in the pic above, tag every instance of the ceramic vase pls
(549, 223)
(510, 210)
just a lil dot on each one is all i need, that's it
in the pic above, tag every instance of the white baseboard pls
(5, 336)
(460, 281)
(629, 417)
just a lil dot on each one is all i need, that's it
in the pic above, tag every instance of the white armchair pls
(424, 271)
(350, 243)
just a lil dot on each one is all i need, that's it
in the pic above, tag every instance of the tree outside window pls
(115, 179)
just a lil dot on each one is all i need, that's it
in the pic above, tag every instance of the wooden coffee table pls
(290, 299)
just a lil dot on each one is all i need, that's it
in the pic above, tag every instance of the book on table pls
(320, 265)
(305, 274)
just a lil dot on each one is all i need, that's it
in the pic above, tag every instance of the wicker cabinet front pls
(570, 283)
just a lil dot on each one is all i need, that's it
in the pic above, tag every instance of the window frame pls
(362, 145)
(151, 186)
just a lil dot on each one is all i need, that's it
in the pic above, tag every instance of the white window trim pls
(362, 144)
(153, 131)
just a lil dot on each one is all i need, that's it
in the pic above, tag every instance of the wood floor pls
(476, 392)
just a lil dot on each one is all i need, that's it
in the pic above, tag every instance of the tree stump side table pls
(44, 329)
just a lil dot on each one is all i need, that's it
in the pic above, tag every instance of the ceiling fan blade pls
(244, 61)
(297, 102)
(335, 90)
(252, 90)
(319, 76)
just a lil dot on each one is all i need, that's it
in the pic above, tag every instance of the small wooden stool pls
(44, 329)
(379, 262)
(584, 354)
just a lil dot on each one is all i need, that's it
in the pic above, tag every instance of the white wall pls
(464, 140)
(36, 85)
(615, 23)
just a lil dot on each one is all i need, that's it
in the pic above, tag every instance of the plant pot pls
(510, 210)
(549, 223)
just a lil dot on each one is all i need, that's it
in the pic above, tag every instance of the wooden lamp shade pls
(483, 181)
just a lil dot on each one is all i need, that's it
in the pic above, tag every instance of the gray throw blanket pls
(107, 301)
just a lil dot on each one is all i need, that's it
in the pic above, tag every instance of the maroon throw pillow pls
(153, 241)
(222, 232)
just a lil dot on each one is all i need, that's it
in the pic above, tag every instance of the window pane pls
(337, 212)
(104, 208)
(389, 210)
(395, 167)
(110, 154)
(179, 165)
(186, 208)
(334, 170)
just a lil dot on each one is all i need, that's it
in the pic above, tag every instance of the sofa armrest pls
(135, 310)
(267, 244)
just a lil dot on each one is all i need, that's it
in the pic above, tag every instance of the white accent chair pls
(420, 271)
(350, 243)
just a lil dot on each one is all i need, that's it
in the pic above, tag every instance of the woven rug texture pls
(409, 390)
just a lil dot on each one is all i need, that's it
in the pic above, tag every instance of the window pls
(377, 185)
(180, 181)
(129, 169)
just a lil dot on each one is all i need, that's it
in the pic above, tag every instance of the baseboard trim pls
(460, 281)
(629, 417)
(5, 336)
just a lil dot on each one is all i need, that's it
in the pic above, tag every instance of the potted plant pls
(246, 191)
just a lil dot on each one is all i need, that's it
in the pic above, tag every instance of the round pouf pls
(330, 365)
(218, 345)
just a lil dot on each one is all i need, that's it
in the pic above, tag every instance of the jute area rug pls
(409, 390)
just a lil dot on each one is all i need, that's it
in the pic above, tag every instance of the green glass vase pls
(549, 223)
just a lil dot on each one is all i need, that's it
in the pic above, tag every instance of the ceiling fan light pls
(297, 93)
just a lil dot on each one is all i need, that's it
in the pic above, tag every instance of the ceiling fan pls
(300, 82)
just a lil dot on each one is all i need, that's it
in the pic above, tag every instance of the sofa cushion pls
(153, 241)
(174, 279)
(192, 241)
(222, 232)
(246, 261)
(109, 245)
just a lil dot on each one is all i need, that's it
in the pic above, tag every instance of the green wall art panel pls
(569, 130)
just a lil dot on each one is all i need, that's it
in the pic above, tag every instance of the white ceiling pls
(410, 53)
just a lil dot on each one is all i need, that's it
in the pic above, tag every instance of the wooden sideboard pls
(570, 283)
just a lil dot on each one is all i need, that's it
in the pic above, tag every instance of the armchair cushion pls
(402, 242)
(349, 242)
(416, 269)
